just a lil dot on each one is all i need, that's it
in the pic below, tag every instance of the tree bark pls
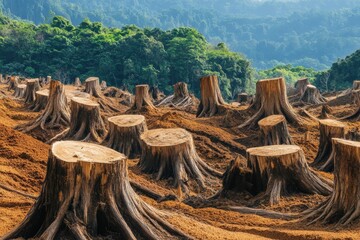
(86, 123)
(32, 86)
(271, 99)
(55, 114)
(274, 131)
(343, 206)
(19, 91)
(87, 195)
(92, 87)
(329, 129)
(42, 98)
(142, 98)
(211, 98)
(312, 96)
(124, 134)
(180, 99)
(170, 153)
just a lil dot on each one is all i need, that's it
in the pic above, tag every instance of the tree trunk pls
(329, 129)
(13, 82)
(274, 131)
(32, 86)
(170, 153)
(180, 99)
(211, 98)
(87, 195)
(124, 134)
(56, 113)
(142, 98)
(41, 101)
(103, 85)
(242, 98)
(20, 91)
(86, 123)
(92, 87)
(312, 96)
(271, 99)
(343, 206)
(77, 82)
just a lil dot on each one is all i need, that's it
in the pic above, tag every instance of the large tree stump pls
(180, 99)
(329, 129)
(343, 206)
(124, 134)
(19, 91)
(77, 82)
(87, 195)
(211, 98)
(171, 153)
(274, 131)
(86, 123)
(41, 101)
(92, 87)
(56, 113)
(13, 82)
(312, 96)
(271, 99)
(32, 86)
(142, 98)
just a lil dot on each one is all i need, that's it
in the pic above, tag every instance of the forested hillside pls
(300, 32)
(123, 57)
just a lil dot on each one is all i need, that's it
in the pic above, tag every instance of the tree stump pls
(312, 96)
(87, 195)
(171, 153)
(329, 129)
(156, 94)
(92, 87)
(20, 91)
(343, 206)
(32, 86)
(300, 86)
(325, 112)
(242, 98)
(142, 98)
(13, 82)
(180, 99)
(356, 85)
(1, 78)
(211, 98)
(103, 85)
(86, 123)
(124, 134)
(274, 131)
(42, 98)
(271, 99)
(56, 112)
(77, 82)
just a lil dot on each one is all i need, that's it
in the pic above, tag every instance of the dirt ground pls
(218, 141)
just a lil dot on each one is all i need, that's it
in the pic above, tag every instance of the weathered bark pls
(103, 85)
(273, 171)
(329, 129)
(312, 96)
(211, 98)
(124, 134)
(77, 82)
(142, 98)
(274, 131)
(271, 99)
(56, 112)
(343, 206)
(180, 99)
(86, 123)
(242, 98)
(32, 86)
(87, 195)
(41, 101)
(170, 153)
(13, 82)
(19, 91)
(92, 87)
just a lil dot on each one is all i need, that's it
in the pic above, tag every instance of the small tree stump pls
(87, 195)
(42, 98)
(356, 85)
(211, 98)
(274, 131)
(77, 82)
(56, 112)
(271, 99)
(92, 87)
(124, 134)
(142, 98)
(312, 96)
(1, 78)
(171, 153)
(325, 112)
(300, 86)
(343, 206)
(156, 94)
(329, 129)
(20, 91)
(103, 85)
(32, 86)
(180, 99)
(13, 82)
(242, 98)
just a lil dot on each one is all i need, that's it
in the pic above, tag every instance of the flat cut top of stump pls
(142, 85)
(44, 92)
(32, 80)
(271, 120)
(90, 79)
(21, 86)
(70, 94)
(85, 101)
(332, 123)
(273, 150)
(75, 151)
(310, 86)
(163, 137)
(347, 142)
(270, 79)
(127, 120)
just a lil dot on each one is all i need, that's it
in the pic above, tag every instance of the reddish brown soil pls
(218, 141)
